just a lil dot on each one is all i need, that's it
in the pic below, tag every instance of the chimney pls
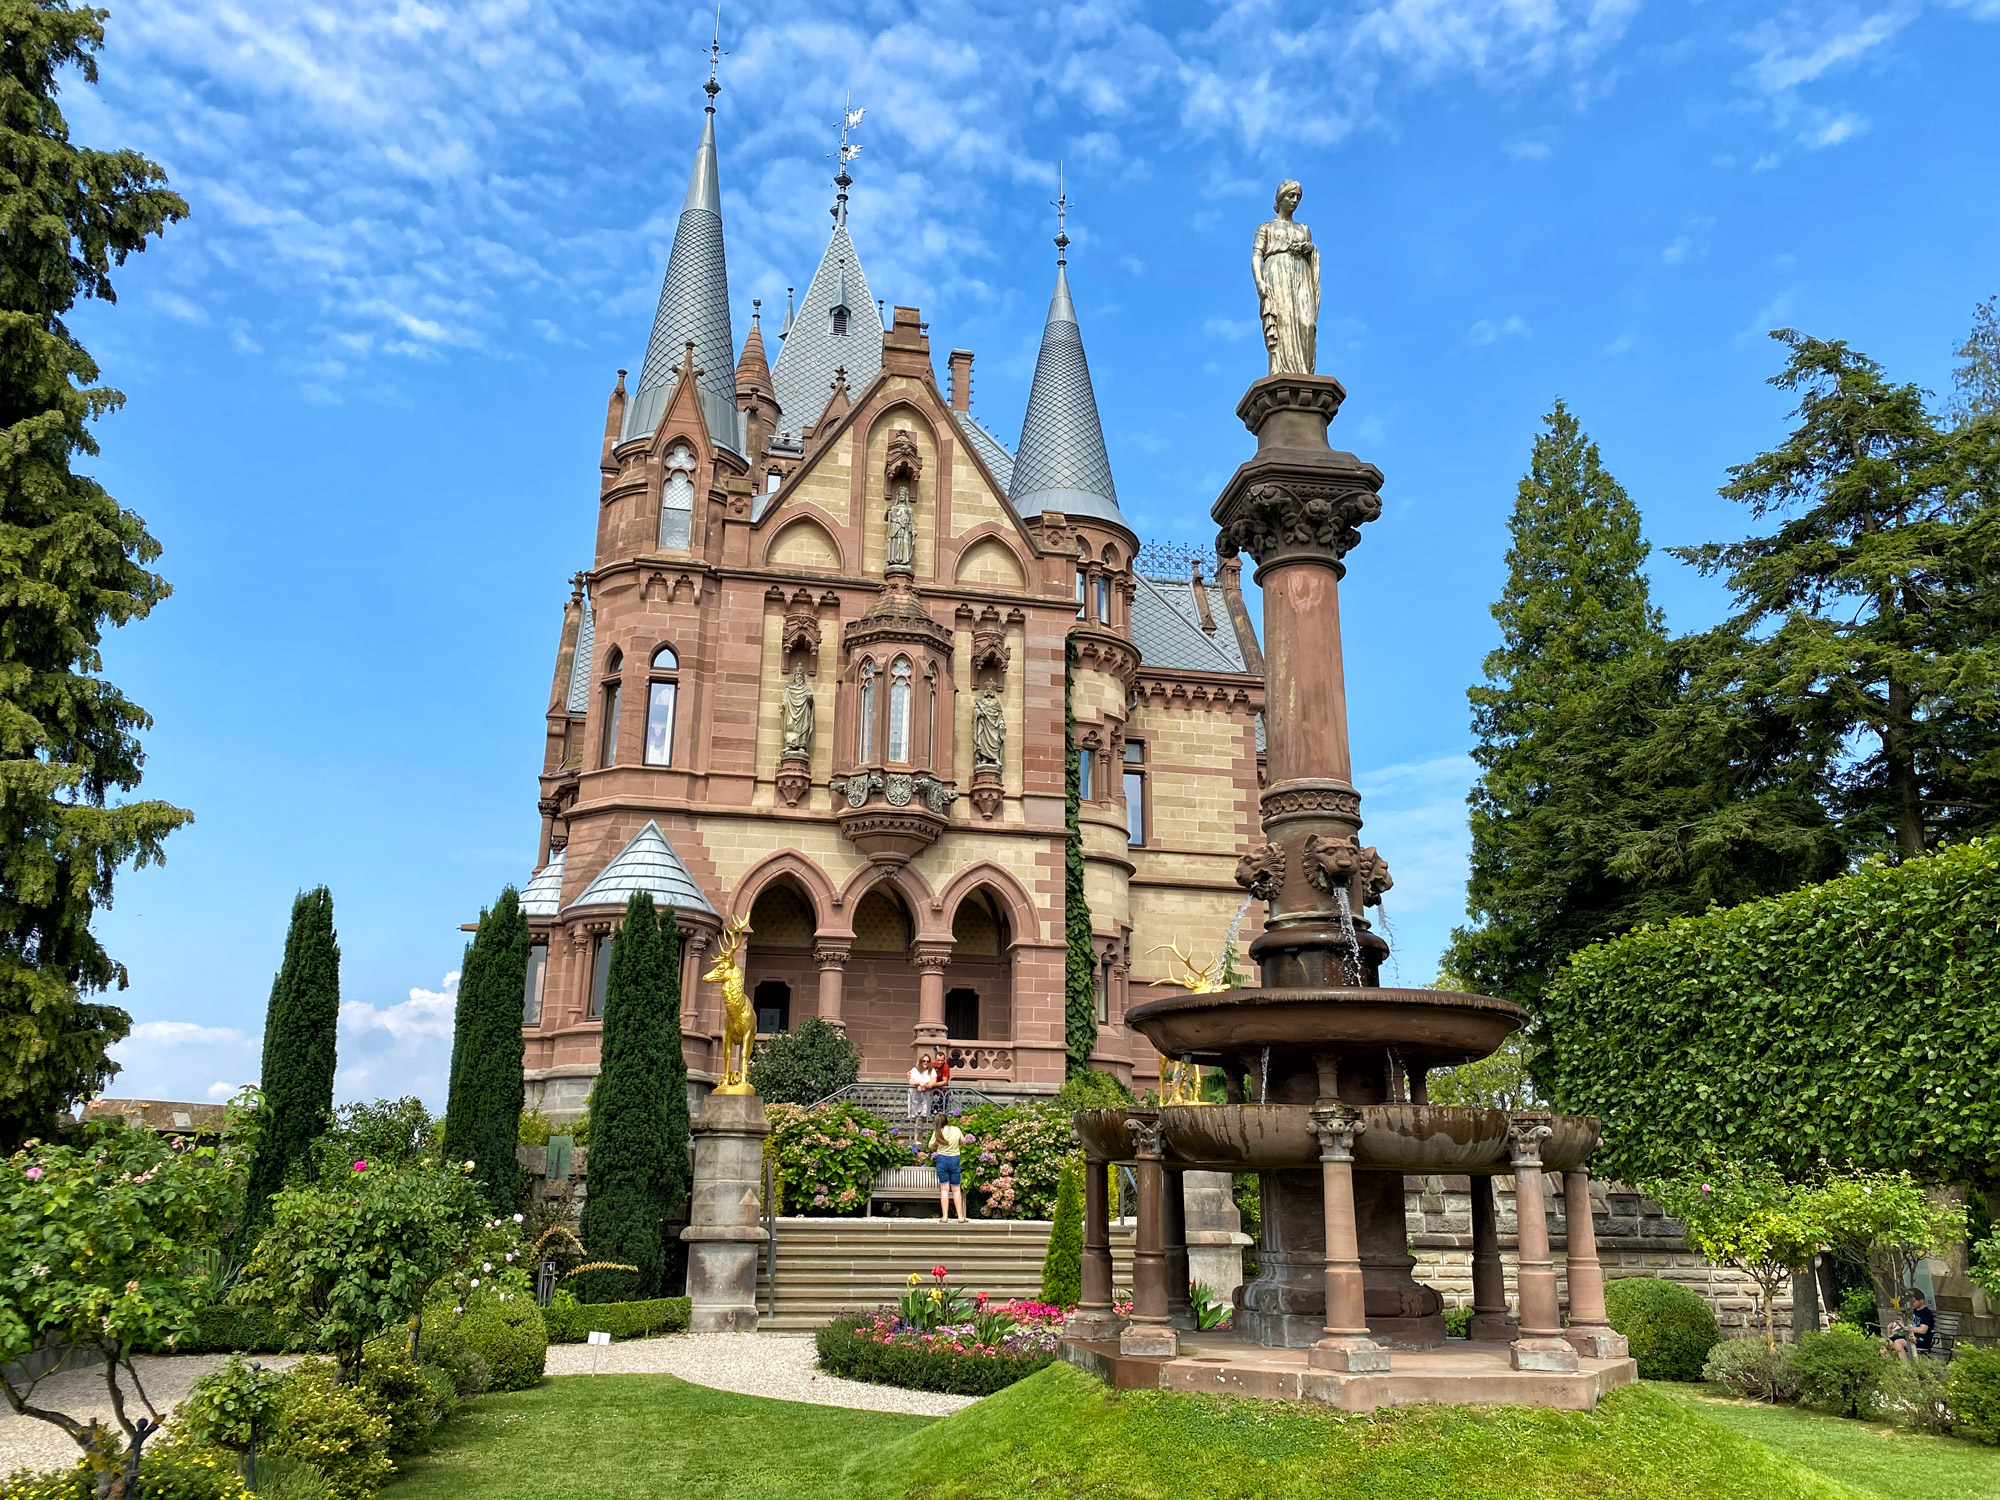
(961, 379)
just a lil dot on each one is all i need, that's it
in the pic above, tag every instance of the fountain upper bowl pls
(1427, 1028)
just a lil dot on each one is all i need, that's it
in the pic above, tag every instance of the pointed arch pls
(810, 879)
(1018, 906)
(907, 883)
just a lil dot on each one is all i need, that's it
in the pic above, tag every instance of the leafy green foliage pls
(1839, 1371)
(1062, 1264)
(1670, 1329)
(639, 1163)
(482, 1117)
(1973, 1393)
(1753, 1367)
(383, 1133)
(805, 1065)
(1013, 1158)
(72, 563)
(1090, 1089)
(844, 1353)
(232, 1405)
(1748, 1217)
(826, 1158)
(1848, 1023)
(569, 1321)
(395, 1384)
(1889, 1223)
(1501, 1080)
(1079, 952)
(301, 1025)
(1976, 381)
(1915, 1393)
(337, 1428)
(508, 1335)
(227, 1329)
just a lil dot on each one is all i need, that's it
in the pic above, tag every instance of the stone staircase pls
(830, 1266)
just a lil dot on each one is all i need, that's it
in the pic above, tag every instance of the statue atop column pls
(1284, 262)
(989, 730)
(798, 706)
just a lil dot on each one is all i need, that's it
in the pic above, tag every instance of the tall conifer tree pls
(301, 1034)
(639, 1168)
(72, 563)
(483, 1116)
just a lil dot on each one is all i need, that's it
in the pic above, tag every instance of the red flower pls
(939, 1272)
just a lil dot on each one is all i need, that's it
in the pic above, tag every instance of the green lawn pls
(1062, 1434)
(1874, 1459)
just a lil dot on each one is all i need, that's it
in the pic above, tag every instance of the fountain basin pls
(1427, 1028)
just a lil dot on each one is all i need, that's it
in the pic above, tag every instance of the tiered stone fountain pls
(1325, 1067)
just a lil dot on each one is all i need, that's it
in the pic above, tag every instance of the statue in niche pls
(989, 731)
(1284, 262)
(900, 549)
(798, 706)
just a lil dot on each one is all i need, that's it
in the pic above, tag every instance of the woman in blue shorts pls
(945, 1143)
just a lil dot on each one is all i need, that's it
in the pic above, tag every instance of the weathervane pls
(715, 56)
(1060, 203)
(850, 118)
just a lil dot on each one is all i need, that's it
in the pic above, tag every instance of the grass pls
(1873, 1458)
(1061, 1434)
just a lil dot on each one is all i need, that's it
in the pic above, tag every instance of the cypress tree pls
(301, 1027)
(1062, 1266)
(483, 1116)
(72, 563)
(639, 1167)
(1080, 954)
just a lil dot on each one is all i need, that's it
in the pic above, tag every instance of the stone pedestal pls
(724, 1236)
(1215, 1237)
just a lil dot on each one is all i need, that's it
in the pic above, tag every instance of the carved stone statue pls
(1285, 264)
(900, 549)
(798, 704)
(989, 730)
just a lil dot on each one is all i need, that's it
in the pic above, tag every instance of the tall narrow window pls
(600, 975)
(840, 320)
(1103, 599)
(1135, 807)
(1082, 592)
(609, 753)
(661, 695)
(1084, 780)
(1103, 978)
(867, 712)
(538, 978)
(677, 498)
(899, 710)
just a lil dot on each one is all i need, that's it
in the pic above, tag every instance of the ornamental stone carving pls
(831, 955)
(1272, 518)
(1329, 862)
(1305, 797)
(1525, 1134)
(1336, 1130)
(989, 731)
(1261, 872)
(802, 634)
(798, 717)
(937, 795)
(1148, 1139)
(896, 788)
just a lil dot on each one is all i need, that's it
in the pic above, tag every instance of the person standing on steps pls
(923, 1079)
(946, 1138)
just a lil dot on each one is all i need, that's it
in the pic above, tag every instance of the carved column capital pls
(932, 957)
(1336, 1129)
(1148, 1140)
(831, 955)
(1298, 517)
(1525, 1134)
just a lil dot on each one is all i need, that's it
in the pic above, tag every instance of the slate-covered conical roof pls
(648, 863)
(753, 370)
(813, 350)
(542, 896)
(1060, 463)
(694, 306)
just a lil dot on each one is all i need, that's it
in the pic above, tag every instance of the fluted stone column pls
(1541, 1345)
(1094, 1318)
(1151, 1332)
(832, 961)
(931, 960)
(1590, 1330)
(724, 1234)
(1345, 1343)
(1490, 1319)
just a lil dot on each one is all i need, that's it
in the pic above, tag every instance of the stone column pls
(1151, 1332)
(1180, 1307)
(724, 1235)
(1094, 1318)
(931, 960)
(1490, 1320)
(1541, 1345)
(1345, 1343)
(1590, 1332)
(832, 961)
(694, 1013)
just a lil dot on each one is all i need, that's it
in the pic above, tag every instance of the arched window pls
(899, 710)
(1084, 779)
(1103, 599)
(608, 748)
(662, 692)
(867, 712)
(677, 498)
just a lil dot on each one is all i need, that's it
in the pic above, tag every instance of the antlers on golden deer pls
(1180, 1079)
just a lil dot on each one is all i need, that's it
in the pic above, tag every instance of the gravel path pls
(779, 1365)
(30, 1443)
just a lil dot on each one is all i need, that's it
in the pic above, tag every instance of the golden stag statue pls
(1180, 1079)
(739, 1021)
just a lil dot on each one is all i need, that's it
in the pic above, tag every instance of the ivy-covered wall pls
(1080, 961)
(1855, 1023)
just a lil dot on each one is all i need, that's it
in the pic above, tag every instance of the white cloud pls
(185, 1034)
(1527, 148)
(427, 1014)
(184, 1060)
(1677, 252)
(1416, 815)
(1801, 44)
(1831, 132)
(393, 1050)
(1485, 332)
(1233, 329)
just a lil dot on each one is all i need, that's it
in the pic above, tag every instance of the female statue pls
(989, 730)
(798, 706)
(900, 549)
(1285, 264)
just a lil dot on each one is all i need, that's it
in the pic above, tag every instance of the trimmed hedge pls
(231, 1330)
(842, 1352)
(570, 1322)
(1973, 1392)
(1670, 1329)
(510, 1336)
(1847, 1022)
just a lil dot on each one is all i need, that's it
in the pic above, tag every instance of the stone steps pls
(831, 1266)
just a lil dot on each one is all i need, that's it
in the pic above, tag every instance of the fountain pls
(1325, 1068)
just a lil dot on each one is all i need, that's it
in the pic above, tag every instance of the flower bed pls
(884, 1350)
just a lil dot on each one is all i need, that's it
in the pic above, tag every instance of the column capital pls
(933, 957)
(831, 955)
(1336, 1129)
(1147, 1138)
(1525, 1134)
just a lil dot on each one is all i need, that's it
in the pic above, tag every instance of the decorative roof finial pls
(756, 308)
(1060, 203)
(715, 55)
(850, 118)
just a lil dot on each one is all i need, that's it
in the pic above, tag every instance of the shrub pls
(173, 1467)
(806, 1065)
(230, 1330)
(570, 1322)
(843, 1352)
(231, 1406)
(535, 1128)
(1090, 1090)
(1750, 1367)
(509, 1336)
(1458, 1322)
(827, 1158)
(1062, 1266)
(1914, 1394)
(1839, 1371)
(1857, 1308)
(290, 1479)
(467, 1368)
(1013, 1159)
(1670, 1329)
(1973, 1390)
(336, 1428)
(73, 1483)
(395, 1384)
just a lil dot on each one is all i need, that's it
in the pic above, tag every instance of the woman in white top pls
(923, 1078)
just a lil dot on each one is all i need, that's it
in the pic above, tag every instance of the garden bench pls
(903, 1185)
(1944, 1336)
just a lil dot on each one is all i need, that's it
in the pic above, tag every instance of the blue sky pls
(367, 376)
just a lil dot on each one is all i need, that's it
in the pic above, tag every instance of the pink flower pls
(34, 1173)
(361, 1166)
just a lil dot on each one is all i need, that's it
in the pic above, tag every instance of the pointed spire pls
(694, 299)
(1060, 463)
(838, 322)
(753, 371)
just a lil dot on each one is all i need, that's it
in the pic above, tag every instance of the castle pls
(816, 676)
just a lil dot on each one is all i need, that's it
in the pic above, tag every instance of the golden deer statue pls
(739, 1021)
(1180, 1079)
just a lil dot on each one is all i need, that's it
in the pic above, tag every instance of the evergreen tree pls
(301, 1028)
(72, 563)
(1976, 381)
(639, 1167)
(1864, 617)
(1080, 953)
(1062, 1264)
(483, 1116)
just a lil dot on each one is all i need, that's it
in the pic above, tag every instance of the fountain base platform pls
(1460, 1373)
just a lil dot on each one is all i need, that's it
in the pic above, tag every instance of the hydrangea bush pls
(827, 1157)
(1013, 1159)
